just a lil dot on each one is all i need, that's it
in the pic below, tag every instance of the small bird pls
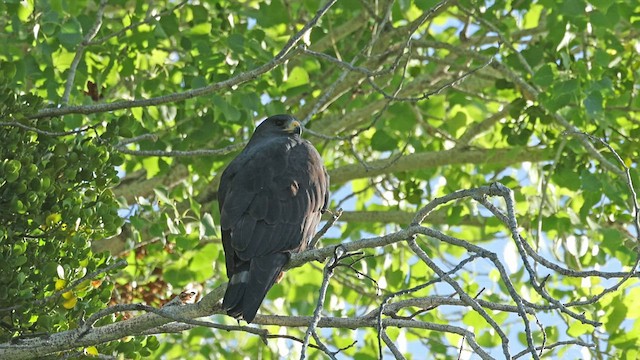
(271, 198)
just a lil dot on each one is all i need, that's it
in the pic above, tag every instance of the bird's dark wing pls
(271, 198)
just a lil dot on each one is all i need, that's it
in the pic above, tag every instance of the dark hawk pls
(271, 197)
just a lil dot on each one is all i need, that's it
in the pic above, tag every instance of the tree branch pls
(317, 313)
(159, 320)
(286, 53)
(80, 51)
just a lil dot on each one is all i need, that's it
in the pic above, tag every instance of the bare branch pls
(179, 153)
(45, 132)
(394, 350)
(389, 309)
(554, 345)
(334, 217)
(317, 313)
(152, 137)
(322, 346)
(510, 220)
(463, 295)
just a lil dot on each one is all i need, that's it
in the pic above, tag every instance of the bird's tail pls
(248, 287)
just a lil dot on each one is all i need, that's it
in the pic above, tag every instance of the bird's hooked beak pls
(294, 127)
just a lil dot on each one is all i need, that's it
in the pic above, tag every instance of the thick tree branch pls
(155, 323)
(178, 153)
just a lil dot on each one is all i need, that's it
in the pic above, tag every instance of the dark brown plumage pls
(271, 197)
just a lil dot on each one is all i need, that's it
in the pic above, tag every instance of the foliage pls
(408, 101)
(54, 199)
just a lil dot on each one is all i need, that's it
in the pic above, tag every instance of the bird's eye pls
(280, 122)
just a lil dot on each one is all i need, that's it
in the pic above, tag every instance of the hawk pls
(271, 198)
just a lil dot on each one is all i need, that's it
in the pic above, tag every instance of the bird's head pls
(280, 124)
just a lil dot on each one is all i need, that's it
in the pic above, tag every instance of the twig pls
(45, 132)
(179, 153)
(317, 313)
(431, 302)
(543, 190)
(322, 346)
(554, 345)
(528, 90)
(334, 217)
(394, 349)
(321, 254)
(349, 66)
(326, 94)
(151, 324)
(383, 304)
(359, 322)
(58, 342)
(152, 137)
(284, 54)
(461, 350)
(502, 38)
(511, 222)
(80, 50)
(147, 20)
(427, 95)
(456, 195)
(463, 295)
(627, 175)
(544, 335)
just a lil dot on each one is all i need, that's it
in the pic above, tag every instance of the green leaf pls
(382, 141)
(151, 166)
(544, 76)
(202, 262)
(297, 77)
(593, 103)
(590, 182)
(178, 275)
(602, 5)
(573, 7)
(208, 227)
(532, 16)
(617, 313)
(169, 24)
(401, 118)
(577, 329)
(458, 122)
(474, 319)
(200, 29)
(566, 87)
(426, 4)
(236, 43)
(185, 243)
(488, 340)
(152, 343)
(70, 34)
(61, 204)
